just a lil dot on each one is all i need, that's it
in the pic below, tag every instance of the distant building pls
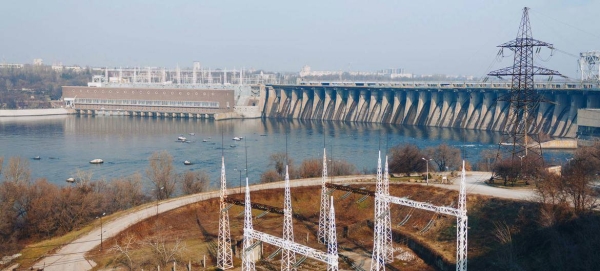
(11, 66)
(38, 62)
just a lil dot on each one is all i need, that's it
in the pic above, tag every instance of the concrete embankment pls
(35, 112)
(560, 144)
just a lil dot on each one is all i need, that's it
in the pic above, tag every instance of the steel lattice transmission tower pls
(247, 255)
(324, 214)
(589, 64)
(224, 253)
(378, 255)
(332, 245)
(288, 257)
(387, 220)
(523, 100)
(462, 225)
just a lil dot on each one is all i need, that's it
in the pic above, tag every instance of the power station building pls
(149, 101)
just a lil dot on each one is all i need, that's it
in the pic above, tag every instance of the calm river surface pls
(67, 143)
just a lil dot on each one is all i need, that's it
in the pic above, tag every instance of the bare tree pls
(82, 177)
(406, 159)
(311, 168)
(278, 160)
(487, 160)
(17, 170)
(161, 173)
(444, 156)
(125, 193)
(340, 168)
(163, 250)
(195, 182)
(579, 176)
(124, 251)
(270, 176)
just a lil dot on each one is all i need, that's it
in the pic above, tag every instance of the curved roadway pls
(71, 256)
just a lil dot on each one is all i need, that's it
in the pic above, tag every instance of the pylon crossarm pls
(423, 205)
(520, 42)
(295, 247)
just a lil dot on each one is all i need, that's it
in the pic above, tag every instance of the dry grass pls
(197, 224)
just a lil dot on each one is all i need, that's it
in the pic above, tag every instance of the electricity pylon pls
(247, 254)
(324, 216)
(387, 220)
(378, 255)
(332, 244)
(523, 100)
(288, 257)
(224, 253)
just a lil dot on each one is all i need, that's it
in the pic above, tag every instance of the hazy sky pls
(425, 37)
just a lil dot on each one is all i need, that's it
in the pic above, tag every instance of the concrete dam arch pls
(456, 105)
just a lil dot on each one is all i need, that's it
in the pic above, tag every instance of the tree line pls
(32, 210)
(18, 85)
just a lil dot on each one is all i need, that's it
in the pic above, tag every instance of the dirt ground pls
(196, 226)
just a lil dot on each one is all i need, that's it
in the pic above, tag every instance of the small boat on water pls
(37, 158)
(237, 138)
(70, 180)
(233, 146)
(187, 163)
(192, 134)
(204, 140)
(97, 161)
(181, 138)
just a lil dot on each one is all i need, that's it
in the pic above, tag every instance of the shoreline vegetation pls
(32, 211)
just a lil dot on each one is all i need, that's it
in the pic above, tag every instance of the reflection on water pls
(125, 143)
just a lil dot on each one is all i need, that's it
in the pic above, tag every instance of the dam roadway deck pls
(454, 104)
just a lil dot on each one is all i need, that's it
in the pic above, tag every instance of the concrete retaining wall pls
(35, 112)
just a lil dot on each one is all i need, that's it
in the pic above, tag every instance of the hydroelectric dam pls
(439, 104)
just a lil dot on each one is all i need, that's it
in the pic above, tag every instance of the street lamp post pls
(427, 166)
(240, 171)
(101, 230)
(157, 197)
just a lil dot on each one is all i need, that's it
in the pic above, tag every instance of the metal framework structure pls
(387, 219)
(324, 215)
(461, 219)
(288, 257)
(332, 249)
(382, 233)
(522, 98)
(224, 253)
(248, 257)
(350, 189)
(589, 64)
(331, 257)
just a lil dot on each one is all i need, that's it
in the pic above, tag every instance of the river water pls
(66, 144)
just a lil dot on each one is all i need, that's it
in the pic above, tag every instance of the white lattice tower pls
(461, 225)
(224, 253)
(387, 220)
(324, 216)
(332, 244)
(288, 257)
(247, 256)
(378, 255)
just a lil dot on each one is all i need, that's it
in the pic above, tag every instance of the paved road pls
(475, 185)
(71, 256)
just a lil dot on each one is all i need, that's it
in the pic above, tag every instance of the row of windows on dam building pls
(204, 104)
(156, 92)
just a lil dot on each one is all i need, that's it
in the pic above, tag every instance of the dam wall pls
(457, 105)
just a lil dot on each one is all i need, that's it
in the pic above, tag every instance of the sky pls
(424, 37)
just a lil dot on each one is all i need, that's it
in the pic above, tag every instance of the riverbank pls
(35, 112)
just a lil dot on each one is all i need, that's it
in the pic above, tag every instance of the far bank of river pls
(66, 143)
